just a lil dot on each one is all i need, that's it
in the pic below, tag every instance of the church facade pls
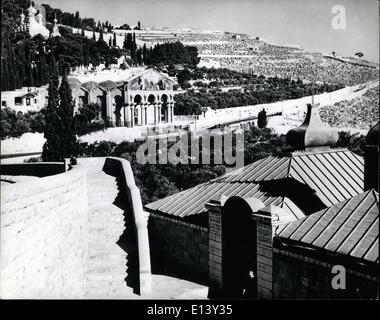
(142, 97)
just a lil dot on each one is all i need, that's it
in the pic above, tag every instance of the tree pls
(101, 38)
(51, 150)
(262, 119)
(114, 39)
(139, 25)
(65, 111)
(359, 54)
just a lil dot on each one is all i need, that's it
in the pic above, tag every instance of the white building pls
(35, 25)
(25, 99)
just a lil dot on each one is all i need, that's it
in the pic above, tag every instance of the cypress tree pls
(110, 42)
(101, 38)
(93, 35)
(262, 119)
(144, 54)
(114, 39)
(51, 150)
(125, 43)
(65, 112)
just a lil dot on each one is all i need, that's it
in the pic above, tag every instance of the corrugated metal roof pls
(350, 227)
(334, 174)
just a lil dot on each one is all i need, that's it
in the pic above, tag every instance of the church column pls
(109, 107)
(143, 114)
(122, 116)
(138, 115)
(146, 113)
(159, 111)
(155, 113)
(171, 112)
(127, 115)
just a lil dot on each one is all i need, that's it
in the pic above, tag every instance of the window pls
(3, 103)
(28, 101)
(18, 100)
(34, 100)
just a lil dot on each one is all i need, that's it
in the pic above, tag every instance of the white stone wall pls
(44, 237)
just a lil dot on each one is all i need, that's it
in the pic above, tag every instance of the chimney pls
(371, 159)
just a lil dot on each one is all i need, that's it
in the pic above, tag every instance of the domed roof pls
(108, 84)
(89, 85)
(312, 132)
(31, 10)
(372, 138)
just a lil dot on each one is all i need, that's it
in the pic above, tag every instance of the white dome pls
(31, 10)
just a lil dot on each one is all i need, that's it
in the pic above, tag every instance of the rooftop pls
(350, 227)
(327, 177)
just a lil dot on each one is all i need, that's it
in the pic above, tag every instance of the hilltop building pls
(55, 32)
(131, 97)
(241, 233)
(36, 23)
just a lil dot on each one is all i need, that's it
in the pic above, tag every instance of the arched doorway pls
(239, 248)
(137, 100)
(164, 107)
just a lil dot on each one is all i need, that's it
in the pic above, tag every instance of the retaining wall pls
(44, 236)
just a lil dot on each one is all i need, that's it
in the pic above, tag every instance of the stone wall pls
(38, 169)
(301, 277)
(44, 237)
(178, 249)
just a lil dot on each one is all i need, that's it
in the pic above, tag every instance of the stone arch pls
(239, 246)
(151, 99)
(137, 99)
(164, 106)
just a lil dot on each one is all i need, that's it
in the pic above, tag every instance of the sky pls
(308, 23)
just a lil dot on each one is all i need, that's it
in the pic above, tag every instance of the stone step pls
(106, 253)
(94, 220)
(102, 262)
(111, 230)
(115, 293)
(101, 179)
(104, 207)
(106, 277)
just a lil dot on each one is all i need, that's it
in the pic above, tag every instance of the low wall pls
(121, 169)
(286, 106)
(178, 249)
(312, 280)
(44, 236)
(37, 169)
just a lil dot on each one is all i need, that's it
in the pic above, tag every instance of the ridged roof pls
(334, 175)
(349, 228)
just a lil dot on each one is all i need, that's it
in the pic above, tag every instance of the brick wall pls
(178, 249)
(44, 237)
(301, 277)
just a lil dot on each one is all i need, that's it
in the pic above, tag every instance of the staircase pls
(107, 262)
